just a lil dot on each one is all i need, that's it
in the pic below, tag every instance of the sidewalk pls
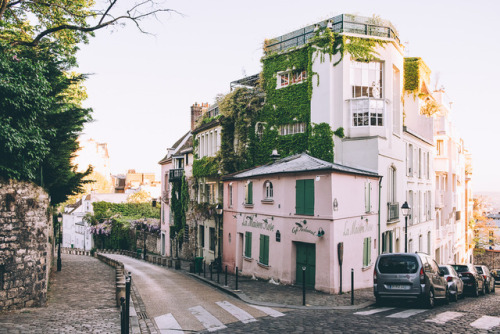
(264, 293)
(81, 299)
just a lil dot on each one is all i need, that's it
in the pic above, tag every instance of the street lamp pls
(218, 210)
(405, 208)
(59, 220)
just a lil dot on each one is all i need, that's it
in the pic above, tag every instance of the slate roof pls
(302, 162)
(187, 143)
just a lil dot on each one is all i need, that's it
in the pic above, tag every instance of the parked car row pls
(417, 276)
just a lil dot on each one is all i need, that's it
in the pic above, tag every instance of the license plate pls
(399, 287)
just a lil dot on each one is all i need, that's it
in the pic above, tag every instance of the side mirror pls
(460, 275)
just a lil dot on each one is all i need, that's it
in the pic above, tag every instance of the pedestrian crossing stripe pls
(442, 318)
(376, 310)
(405, 314)
(210, 322)
(269, 311)
(168, 325)
(238, 313)
(486, 322)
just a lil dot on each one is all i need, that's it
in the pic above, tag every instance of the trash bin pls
(198, 264)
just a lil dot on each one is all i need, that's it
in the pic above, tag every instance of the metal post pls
(218, 274)
(352, 286)
(128, 284)
(406, 234)
(204, 269)
(340, 292)
(225, 277)
(210, 265)
(122, 315)
(59, 265)
(236, 278)
(144, 237)
(304, 286)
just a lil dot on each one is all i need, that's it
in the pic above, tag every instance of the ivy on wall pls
(206, 167)
(416, 73)
(179, 205)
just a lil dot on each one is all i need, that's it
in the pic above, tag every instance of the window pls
(368, 190)
(264, 249)
(288, 78)
(410, 204)
(268, 190)
(249, 193)
(367, 112)
(291, 129)
(201, 232)
(409, 160)
(367, 247)
(304, 197)
(230, 194)
(440, 147)
(248, 244)
(367, 106)
(391, 195)
(387, 242)
(212, 238)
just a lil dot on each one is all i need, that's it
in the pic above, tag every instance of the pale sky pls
(142, 87)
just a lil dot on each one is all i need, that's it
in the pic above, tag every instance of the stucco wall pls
(25, 245)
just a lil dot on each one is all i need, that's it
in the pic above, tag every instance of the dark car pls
(488, 279)
(455, 284)
(496, 275)
(473, 282)
(407, 276)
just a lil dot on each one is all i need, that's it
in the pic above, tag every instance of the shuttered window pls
(248, 244)
(249, 193)
(264, 249)
(367, 246)
(304, 197)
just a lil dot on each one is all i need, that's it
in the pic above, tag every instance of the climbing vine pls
(179, 205)
(206, 167)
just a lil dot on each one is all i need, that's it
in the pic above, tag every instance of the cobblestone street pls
(81, 299)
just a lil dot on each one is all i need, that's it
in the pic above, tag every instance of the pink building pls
(294, 213)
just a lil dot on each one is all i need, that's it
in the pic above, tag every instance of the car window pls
(460, 268)
(435, 267)
(453, 272)
(479, 269)
(398, 265)
(445, 270)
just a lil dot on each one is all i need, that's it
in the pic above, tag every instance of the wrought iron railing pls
(343, 23)
(175, 174)
(392, 211)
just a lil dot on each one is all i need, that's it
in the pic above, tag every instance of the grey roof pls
(302, 162)
(172, 151)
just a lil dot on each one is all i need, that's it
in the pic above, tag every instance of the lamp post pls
(405, 208)
(144, 239)
(218, 210)
(59, 220)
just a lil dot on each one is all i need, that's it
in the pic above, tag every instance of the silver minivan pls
(409, 276)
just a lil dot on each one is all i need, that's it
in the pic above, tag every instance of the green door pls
(306, 257)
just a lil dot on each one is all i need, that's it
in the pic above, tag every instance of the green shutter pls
(364, 252)
(299, 197)
(369, 252)
(390, 242)
(309, 197)
(266, 250)
(261, 249)
(250, 193)
(248, 244)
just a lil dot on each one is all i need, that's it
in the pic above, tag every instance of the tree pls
(483, 227)
(141, 196)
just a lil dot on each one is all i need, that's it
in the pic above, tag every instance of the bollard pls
(352, 286)
(236, 278)
(218, 274)
(204, 269)
(128, 283)
(225, 278)
(122, 315)
(210, 266)
(304, 286)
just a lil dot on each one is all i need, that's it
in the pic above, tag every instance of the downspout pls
(379, 193)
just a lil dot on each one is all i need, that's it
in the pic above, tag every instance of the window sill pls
(262, 265)
(368, 267)
(393, 221)
(303, 214)
(267, 201)
(248, 205)
(249, 259)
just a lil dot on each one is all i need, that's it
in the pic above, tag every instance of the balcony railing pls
(343, 23)
(175, 174)
(392, 211)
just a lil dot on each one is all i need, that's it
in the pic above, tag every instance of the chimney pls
(275, 156)
(196, 112)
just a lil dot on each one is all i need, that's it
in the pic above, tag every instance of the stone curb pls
(245, 298)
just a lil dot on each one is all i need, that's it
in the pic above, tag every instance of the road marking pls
(269, 311)
(445, 316)
(486, 322)
(238, 313)
(168, 325)
(376, 310)
(405, 314)
(210, 322)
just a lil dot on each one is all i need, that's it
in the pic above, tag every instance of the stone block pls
(12, 293)
(29, 303)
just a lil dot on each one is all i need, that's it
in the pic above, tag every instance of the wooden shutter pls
(365, 244)
(266, 250)
(250, 193)
(309, 197)
(248, 244)
(299, 197)
(261, 249)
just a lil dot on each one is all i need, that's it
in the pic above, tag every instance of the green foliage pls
(39, 124)
(125, 211)
(321, 141)
(411, 75)
(206, 167)
(179, 204)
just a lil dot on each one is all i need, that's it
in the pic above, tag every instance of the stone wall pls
(152, 242)
(25, 246)
(490, 258)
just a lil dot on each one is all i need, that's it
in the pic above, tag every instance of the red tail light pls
(375, 276)
(449, 279)
(422, 277)
(484, 276)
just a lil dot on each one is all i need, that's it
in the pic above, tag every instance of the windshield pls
(398, 265)
(460, 269)
(479, 270)
(445, 270)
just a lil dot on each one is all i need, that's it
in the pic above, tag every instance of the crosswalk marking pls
(168, 325)
(269, 311)
(405, 314)
(486, 322)
(442, 318)
(238, 313)
(377, 310)
(210, 322)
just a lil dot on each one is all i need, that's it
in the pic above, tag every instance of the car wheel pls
(487, 288)
(475, 293)
(483, 290)
(455, 295)
(447, 297)
(493, 290)
(379, 301)
(430, 301)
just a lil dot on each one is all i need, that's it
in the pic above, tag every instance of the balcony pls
(175, 174)
(344, 23)
(392, 212)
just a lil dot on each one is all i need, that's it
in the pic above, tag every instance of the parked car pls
(455, 284)
(473, 282)
(488, 278)
(409, 276)
(496, 275)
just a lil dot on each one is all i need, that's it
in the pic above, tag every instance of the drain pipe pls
(379, 193)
